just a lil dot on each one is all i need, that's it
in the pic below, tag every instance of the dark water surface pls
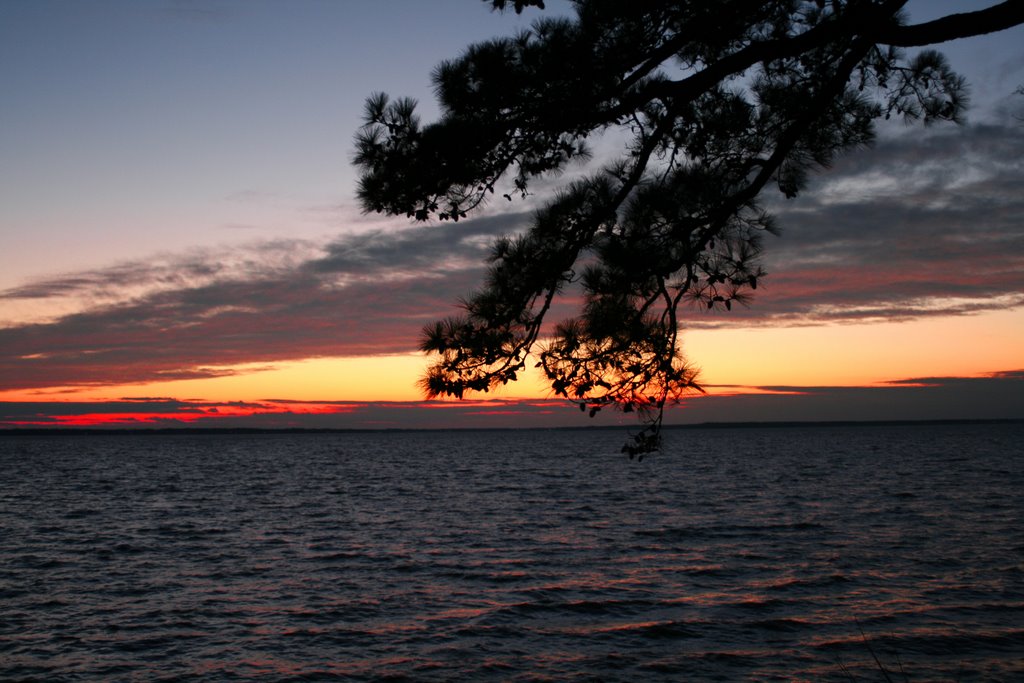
(786, 553)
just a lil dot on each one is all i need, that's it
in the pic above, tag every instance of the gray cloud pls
(362, 294)
(931, 223)
(136, 279)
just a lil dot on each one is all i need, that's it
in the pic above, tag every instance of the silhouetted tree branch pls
(962, 25)
(720, 100)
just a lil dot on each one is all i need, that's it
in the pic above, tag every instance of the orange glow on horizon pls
(859, 354)
(366, 379)
(732, 361)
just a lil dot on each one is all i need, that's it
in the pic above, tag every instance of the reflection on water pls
(748, 553)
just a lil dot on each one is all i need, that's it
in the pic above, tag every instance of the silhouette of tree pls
(719, 100)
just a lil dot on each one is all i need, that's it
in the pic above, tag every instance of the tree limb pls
(965, 25)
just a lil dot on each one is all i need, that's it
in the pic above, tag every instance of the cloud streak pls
(999, 395)
(930, 223)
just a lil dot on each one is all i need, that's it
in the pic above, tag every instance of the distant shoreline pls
(212, 431)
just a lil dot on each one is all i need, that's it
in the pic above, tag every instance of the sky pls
(180, 242)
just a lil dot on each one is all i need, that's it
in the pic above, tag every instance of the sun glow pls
(859, 354)
(368, 378)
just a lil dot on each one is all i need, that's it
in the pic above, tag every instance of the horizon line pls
(746, 424)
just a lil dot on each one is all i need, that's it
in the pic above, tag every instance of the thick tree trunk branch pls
(996, 18)
(850, 26)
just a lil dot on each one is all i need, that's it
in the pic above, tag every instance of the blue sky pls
(144, 126)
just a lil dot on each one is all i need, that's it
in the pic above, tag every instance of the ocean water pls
(736, 554)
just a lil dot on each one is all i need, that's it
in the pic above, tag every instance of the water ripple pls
(746, 554)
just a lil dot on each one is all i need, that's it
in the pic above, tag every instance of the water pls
(736, 554)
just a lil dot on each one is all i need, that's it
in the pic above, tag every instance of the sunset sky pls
(180, 243)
